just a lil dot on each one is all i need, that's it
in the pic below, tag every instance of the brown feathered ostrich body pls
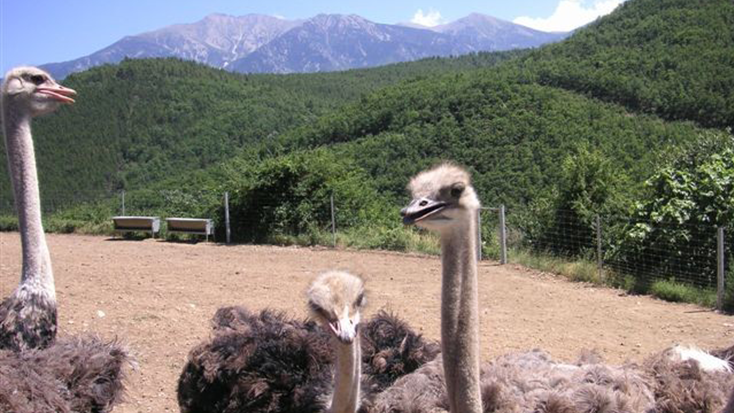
(37, 372)
(676, 380)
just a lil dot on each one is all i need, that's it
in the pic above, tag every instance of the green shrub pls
(8, 223)
(291, 196)
(684, 293)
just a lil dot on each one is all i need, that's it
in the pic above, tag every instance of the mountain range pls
(265, 44)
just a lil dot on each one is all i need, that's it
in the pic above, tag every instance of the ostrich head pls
(34, 91)
(442, 197)
(335, 299)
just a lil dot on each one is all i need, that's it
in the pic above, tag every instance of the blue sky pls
(45, 31)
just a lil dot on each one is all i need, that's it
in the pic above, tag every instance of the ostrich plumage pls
(73, 375)
(268, 362)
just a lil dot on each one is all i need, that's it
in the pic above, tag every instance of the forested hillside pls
(145, 120)
(674, 58)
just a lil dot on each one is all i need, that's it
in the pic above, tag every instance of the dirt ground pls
(159, 296)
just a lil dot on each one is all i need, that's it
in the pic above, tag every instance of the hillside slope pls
(674, 58)
(145, 120)
(514, 136)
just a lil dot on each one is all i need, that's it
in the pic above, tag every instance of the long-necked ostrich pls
(37, 372)
(444, 201)
(336, 300)
(675, 380)
(28, 316)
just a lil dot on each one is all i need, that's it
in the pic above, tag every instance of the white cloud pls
(570, 14)
(430, 19)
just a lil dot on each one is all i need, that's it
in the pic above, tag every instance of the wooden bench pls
(137, 224)
(199, 226)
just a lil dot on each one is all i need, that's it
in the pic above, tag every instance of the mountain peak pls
(491, 33)
(323, 42)
(340, 20)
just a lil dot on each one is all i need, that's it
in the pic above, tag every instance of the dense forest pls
(144, 120)
(629, 117)
(674, 58)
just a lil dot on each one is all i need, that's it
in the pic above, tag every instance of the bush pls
(688, 198)
(8, 223)
(563, 222)
(291, 196)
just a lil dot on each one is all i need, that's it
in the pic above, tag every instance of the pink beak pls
(58, 92)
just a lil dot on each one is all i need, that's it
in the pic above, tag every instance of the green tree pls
(674, 228)
(564, 222)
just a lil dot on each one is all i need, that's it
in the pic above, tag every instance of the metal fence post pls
(333, 223)
(123, 202)
(503, 236)
(226, 216)
(720, 268)
(599, 259)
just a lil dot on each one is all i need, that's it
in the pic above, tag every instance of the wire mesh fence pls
(635, 253)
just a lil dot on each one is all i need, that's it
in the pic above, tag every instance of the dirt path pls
(159, 296)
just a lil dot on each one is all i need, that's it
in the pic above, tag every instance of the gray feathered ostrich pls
(37, 372)
(336, 299)
(28, 316)
(676, 380)
(267, 362)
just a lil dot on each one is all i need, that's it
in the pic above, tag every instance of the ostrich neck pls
(459, 317)
(729, 408)
(36, 274)
(346, 378)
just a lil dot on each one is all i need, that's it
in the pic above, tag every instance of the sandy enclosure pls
(159, 296)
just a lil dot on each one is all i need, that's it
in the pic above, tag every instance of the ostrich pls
(675, 380)
(336, 300)
(267, 362)
(444, 201)
(37, 372)
(28, 316)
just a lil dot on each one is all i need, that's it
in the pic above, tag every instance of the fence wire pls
(625, 246)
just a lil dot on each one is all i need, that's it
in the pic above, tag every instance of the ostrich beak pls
(58, 92)
(344, 330)
(420, 208)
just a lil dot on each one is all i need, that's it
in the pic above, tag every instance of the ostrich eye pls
(318, 310)
(359, 302)
(38, 79)
(456, 190)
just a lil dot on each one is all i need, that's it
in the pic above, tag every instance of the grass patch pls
(586, 271)
(578, 270)
(396, 238)
(682, 293)
(8, 223)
